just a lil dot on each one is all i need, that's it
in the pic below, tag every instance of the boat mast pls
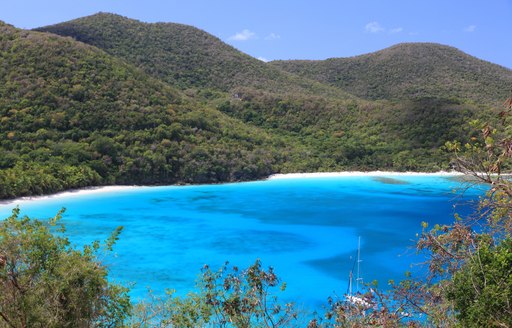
(358, 263)
(350, 284)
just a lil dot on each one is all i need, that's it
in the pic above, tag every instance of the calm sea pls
(306, 228)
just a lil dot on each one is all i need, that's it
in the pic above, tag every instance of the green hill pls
(72, 116)
(410, 70)
(339, 131)
(183, 55)
(116, 101)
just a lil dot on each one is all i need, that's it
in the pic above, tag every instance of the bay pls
(306, 228)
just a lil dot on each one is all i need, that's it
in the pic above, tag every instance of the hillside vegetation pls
(410, 70)
(73, 116)
(105, 99)
(338, 131)
(183, 55)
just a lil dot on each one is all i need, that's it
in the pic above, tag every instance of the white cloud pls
(373, 27)
(263, 59)
(272, 36)
(396, 30)
(470, 28)
(243, 36)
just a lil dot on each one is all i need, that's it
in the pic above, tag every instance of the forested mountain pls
(71, 116)
(410, 70)
(339, 131)
(109, 100)
(183, 55)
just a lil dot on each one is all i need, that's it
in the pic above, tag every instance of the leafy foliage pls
(45, 282)
(354, 135)
(229, 297)
(482, 289)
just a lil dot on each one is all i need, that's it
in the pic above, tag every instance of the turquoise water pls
(306, 228)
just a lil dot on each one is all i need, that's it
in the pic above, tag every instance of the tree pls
(482, 289)
(229, 297)
(45, 282)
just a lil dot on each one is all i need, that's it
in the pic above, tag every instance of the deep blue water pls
(306, 228)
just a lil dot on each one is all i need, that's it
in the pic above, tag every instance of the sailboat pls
(357, 299)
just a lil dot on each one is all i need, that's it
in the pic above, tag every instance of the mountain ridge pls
(183, 55)
(413, 69)
(188, 57)
(396, 45)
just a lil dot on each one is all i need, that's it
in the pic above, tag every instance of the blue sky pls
(300, 29)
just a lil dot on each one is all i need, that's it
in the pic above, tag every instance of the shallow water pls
(307, 229)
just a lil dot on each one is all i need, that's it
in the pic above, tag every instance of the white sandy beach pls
(109, 189)
(69, 193)
(359, 173)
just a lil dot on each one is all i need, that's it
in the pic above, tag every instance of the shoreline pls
(67, 193)
(279, 176)
(359, 173)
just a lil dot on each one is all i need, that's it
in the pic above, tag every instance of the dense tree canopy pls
(73, 116)
(45, 282)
